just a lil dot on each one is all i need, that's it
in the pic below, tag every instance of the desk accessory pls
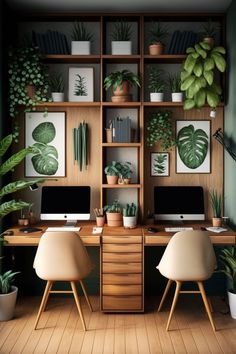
(152, 230)
(30, 229)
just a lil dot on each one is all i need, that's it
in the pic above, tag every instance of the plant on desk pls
(113, 213)
(130, 216)
(216, 203)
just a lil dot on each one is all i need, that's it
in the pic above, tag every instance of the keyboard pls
(63, 228)
(177, 229)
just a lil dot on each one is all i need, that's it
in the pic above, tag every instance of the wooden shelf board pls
(62, 58)
(121, 144)
(121, 104)
(131, 185)
(170, 104)
(167, 58)
(69, 104)
(121, 58)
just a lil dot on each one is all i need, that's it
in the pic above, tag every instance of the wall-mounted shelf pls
(124, 145)
(61, 58)
(121, 186)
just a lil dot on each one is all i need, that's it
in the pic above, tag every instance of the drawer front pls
(122, 279)
(122, 267)
(122, 239)
(122, 289)
(122, 257)
(135, 247)
(122, 303)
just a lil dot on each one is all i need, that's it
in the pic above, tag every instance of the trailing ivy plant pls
(160, 129)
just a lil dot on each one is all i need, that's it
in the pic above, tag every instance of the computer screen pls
(179, 203)
(69, 203)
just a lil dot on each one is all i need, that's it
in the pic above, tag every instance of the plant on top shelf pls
(121, 81)
(209, 31)
(198, 75)
(158, 33)
(156, 84)
(216, 203)
(160, 129)
(175, 87)
(125, 171)
(130, 216)
(113, 213)
(81, 39)
(121, 35)
(57, 85)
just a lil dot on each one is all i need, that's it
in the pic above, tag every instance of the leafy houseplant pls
(156, 84)
(157, 34)
(175, 87)
(81, 39)
(209, 32)
(216, 203)
(113, 213)
(121, 43)
(112, 171)
(56, 84)
(8, 294)
(129, 216)
(125, 171)
(160, 129)
(198, 75)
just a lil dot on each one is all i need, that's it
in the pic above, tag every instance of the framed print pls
(47, 136)
(81, 88)
(159, 164)
(193, 146)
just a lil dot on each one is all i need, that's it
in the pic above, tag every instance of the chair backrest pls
(62, 256)
(188, 256)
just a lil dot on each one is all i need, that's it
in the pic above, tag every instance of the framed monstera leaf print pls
(47, 136)
(193, 146)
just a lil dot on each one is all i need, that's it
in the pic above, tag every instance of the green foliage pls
(192, 146)
(6, 280)
(113, 208)
(209, 30)
(122, 31)
(56, 82)
(116, 79)
(156, 82)
(159, 164)
(113, 169)
(130, 210)
(198, 75)
(81, 33)
(160, 128)
(80, 86)
(216, 203)
(228, 261)
(174, 82)
(158, 33)
(125, 169)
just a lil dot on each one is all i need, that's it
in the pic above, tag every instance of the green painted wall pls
(230, 115)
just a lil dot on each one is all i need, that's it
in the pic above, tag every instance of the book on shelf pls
(51, 42)
(121, 130)
(180, 41)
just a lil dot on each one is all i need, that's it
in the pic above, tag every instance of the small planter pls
(177, 96)
(210, 41)
(100, 220)
(156, 49)
(130, 222)
(58, 96)
(121, 47)
(7, 304)
(80, 47)
(232, 304)
(114, 219)
(156, 97)
(23, 222)
(216, 222)
(31, 89)
(122, 90)
(112, 179)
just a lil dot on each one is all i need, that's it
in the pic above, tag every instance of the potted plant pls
(216, 203)
(121, 81)
(175, 84)
(121, 43)
(198, 75)
(23, 220)
(130, 216)
(113, 213)
(56, 84)
(81, 39)
(157, 34)
(228, 261)
(209, 32)
(112, 172)
(8, 295)
(156, 84)
(125, 171)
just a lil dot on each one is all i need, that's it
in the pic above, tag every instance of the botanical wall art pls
(81, 87)
(159, 164)
(193, 146)
(47, 136)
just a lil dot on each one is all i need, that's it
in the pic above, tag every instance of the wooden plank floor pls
(60, 329)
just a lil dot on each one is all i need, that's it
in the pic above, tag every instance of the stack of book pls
(181, 40)
(51, 42)
(121, 130)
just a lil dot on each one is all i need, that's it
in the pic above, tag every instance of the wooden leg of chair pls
(74, 289)
(177, 290)
(206, 303)
(43, 302)
(165, 294)
(86, 295)
(210, 304)
(47, 295)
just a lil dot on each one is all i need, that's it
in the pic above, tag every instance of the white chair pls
(189, 256)
(61, 256)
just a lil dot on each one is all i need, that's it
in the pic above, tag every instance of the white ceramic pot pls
(213, 113)
(58, 96)
(232, 304)
(121, 47)
(177, 96)
(130, 222)
(80, 47)
(156, 97)
(7, 304)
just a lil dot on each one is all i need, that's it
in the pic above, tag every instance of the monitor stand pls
(70, 223)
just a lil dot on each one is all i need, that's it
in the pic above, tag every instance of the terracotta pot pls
(23, 222)
(112, 179)
(127, 180)
(156, 49)
(209, 40)
(216, 222)
(114, 219)
(119, 99)
(122, 90)
(100, 220)
(30, 89)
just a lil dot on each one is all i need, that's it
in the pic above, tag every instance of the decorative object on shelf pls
(156, 84)
(56, 84)
(112, 172)
(160, 129)
(208, 33)
(121, 43)
(219, 136)
(80, 145)
(130, 216)
(47, 138)
(216, 204)
(125, 171)
(159, 164)
(81, 87)
(174, 85)
(198, 75)
(100, 217)
(121, 130)
(113, 213)
(193, 146)
(158, 33)
(81, 39)
(8, 295)
(121, 81)
(51, 42)
(109, 133)
(228, 262)
(181, 40)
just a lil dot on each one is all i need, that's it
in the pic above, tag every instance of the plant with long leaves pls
(158, 33)
(156, 81)
(228, 261)
(6, 280)
(56, 82)
(81, 33)
(216, 203)
(116, 79)
(174, 82)
(122, 31)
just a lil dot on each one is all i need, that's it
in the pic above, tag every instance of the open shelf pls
(69, 104)
(121, 104)
(121, 58)
(164, 58)
(130, 185)
(122, 145)
(62, 58)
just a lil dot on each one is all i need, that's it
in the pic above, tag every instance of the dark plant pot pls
(7, 304)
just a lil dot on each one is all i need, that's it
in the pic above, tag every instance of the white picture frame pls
(81, 84)
(160, 164)
(47, 135)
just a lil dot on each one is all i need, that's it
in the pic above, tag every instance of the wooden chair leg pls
(165, 294)
(43, 302)
(210, 304)
(48, 293)
(206, 303)
(86, 295)
(177, 290)
(74, 289)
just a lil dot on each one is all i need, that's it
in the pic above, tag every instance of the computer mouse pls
(152, 229)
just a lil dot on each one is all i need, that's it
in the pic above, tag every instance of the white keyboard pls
(177, 229)
(63, 228)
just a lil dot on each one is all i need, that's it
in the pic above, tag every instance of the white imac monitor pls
(179, 203)
(69, 203)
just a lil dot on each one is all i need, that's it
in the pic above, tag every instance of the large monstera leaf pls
(192, 146)
(45, 160)
(44, 132)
